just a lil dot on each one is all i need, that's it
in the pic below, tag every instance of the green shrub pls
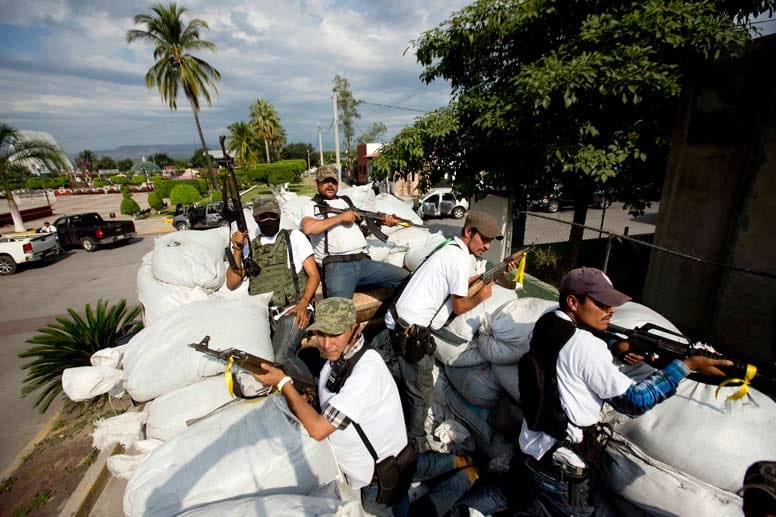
(61, 181)
(216, 196)
(184, 194)
(137, 180)
(129, 206)
(155, 200)
(164, 187)
(33, 183)
(263, 173)
(120, 180)
(125, 192)
(279, 177)
(99, 183)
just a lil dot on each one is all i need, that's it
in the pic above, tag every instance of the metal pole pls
(320, 146)
(336, 139)
(603, 217)
(608, 251)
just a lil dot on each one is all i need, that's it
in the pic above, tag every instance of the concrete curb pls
(89, 489)
(39, 437)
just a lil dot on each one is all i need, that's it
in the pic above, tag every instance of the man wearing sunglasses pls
(287, 269)
(340, 246)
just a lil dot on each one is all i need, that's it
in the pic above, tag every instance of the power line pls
(393, 107)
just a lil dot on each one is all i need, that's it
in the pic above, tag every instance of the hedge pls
(164, 187)
(129, 206)
(137, 180)
(184, 194)
(99, 183)
(155, 200)
(286, 170)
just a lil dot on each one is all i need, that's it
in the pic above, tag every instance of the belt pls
(560, 471)
(353, 257)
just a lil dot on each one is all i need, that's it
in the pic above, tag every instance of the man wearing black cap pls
(436, 291)
(561, 437)
(287, 269)
(340, 246)
(759, 490)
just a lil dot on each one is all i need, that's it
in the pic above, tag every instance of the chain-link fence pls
(728, 306)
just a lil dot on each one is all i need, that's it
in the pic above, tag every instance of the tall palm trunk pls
(211, 170)
(16, 215)
(266, 148)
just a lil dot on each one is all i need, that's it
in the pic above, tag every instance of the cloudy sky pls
(65, 67)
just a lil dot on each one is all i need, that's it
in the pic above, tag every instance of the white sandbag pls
(631, 315)
(505, 335)
(159, 360)
(390, 204)
(396, 258)
(191, 258)
(362, 196)
(452, 353)
(709, 438)
(661, 489)
(476, 384)
(467, 324)
(417, 254)
(158, 298)
(409, 237)
(126, 429)
(280, 505)
(291, 207)
(506, 376)
(244, 449)
(224, 293)
(113, 356)
(123, 466)
(379, 250)
(86, 382)
(170, 414)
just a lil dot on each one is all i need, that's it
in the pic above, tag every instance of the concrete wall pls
(719, 204)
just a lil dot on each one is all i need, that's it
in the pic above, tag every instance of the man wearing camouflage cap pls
(358, 396)
(340, 246)
(286, 268)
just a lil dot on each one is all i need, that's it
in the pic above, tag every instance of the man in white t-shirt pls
(356, 390)
(561, 437)
(436, 291)
(340, 246)
(292, 285)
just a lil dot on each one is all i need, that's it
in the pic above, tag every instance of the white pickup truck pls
(18, 249)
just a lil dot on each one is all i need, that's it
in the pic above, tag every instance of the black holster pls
(393, 475)
(413, 342)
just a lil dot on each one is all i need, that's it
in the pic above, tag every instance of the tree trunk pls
(211, 169)
(576, 234)
(266, 148)
(16, 216)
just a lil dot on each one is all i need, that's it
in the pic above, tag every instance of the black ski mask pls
(269, 223)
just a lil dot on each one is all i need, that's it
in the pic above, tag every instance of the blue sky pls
(65, 67)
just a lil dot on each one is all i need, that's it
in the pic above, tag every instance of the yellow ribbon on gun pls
(230, 383)
(518, 275)
(751, 371)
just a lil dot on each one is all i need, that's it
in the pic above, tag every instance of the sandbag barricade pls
(191, 258)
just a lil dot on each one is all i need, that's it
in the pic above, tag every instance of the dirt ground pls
(47, 476)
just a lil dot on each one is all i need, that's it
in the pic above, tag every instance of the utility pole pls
(320, 146)
(336, 139)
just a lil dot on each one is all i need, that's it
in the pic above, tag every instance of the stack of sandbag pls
(291, 206)
(255, 450)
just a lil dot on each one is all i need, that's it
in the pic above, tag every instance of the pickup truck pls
(91, 231)
(21, 249)
(200, 217)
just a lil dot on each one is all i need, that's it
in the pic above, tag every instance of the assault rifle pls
(373, 219)
(492, 274)
(660, 346)
(231, 195)
(252, 363)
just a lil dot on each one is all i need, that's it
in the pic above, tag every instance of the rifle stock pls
(252, 363)
(493, 273)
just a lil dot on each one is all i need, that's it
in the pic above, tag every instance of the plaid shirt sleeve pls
(646, 394)
(336, 418)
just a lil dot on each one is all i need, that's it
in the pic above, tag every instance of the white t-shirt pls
(369, 397)
(445, 273)
(586, 377)
(344, 239)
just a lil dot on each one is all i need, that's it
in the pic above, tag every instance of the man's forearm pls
(314, 423)
(313, 226)
(235, 278)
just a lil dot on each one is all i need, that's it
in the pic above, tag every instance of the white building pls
(40, 167)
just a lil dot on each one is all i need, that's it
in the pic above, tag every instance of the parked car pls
(200, 217)
(90, 231)
(16, 250)
(440, 202)
(560, 198)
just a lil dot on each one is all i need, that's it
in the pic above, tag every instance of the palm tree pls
(87, 159)
(175, 67)
(13, 151)
(243, 143)
(266, 122)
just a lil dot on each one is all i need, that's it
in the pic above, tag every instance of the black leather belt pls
(353, 257)
(556, 470)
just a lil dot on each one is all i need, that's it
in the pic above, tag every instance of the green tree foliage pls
(70, 343)
(184, 194)
(12, 151)
(125, 165)
(99, 183)
(347, 105)
(199, 159)
(266, 122)
(33, 183)
(129, 206)
(176, 68)
(161, 159)
(243, 144)
(155, 201)
(164, 187)
(375, 133)
(57, 182)
(216, 196)
(299, 151)
(106, 162)
(126, 193)
(137, 180)
(285, 170)
(86, 160)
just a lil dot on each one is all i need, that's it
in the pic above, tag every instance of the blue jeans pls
(554, 493)
(418, 394)
(286, 339)
(438, 501)
(342, 278)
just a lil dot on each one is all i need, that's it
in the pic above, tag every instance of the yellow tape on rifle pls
(228, 377)
(520, 276)
(751, 371)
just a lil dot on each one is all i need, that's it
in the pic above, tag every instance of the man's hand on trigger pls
(348, 217)
(272, 377)
(390, 220)
(486, 291)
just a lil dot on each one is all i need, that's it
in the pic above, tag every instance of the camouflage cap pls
(265, 204)
(334, 316)
(326, 171)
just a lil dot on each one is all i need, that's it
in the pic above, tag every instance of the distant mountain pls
(135, 152)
